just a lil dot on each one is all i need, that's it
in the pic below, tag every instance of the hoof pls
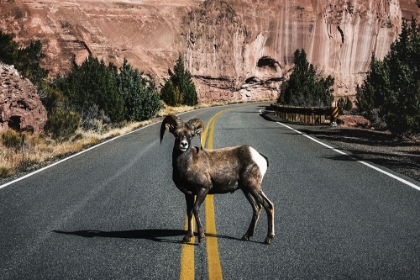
(245, 237)
(186, 239)
(268, 240)
(201, 239)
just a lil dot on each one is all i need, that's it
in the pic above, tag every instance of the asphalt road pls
(114, 213)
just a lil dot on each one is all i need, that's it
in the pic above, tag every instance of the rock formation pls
(235, 49)
(20, 104)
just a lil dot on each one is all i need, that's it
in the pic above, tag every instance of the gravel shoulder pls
(377, 147)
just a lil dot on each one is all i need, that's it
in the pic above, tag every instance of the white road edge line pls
(72, 156)
(414, 186)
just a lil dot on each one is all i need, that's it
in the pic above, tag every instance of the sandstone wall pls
(234, 49)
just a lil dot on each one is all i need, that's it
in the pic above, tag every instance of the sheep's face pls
(183, 132)
(183, 140)
(183, 136)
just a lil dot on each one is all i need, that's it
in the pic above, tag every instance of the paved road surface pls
(114, 213)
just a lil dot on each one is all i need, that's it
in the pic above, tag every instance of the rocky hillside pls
(20, 105)
(234, 49)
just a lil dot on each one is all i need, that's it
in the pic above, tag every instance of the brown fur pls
(198, 171)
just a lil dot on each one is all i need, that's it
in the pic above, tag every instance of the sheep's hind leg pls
(269, 207)
(260, 197)
(190, 204)
(256, 208)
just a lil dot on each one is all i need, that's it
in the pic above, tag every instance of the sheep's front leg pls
(189, 198)
(201, 196)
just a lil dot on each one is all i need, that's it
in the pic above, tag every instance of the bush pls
(392, 87)
(51, 96)
(26, 60)
(344, 105)
(5, 172)
(141, 98)
(127, 95)
(376, 120)
(171, 94)
(180, 88)
(305, 87)
(95, 119)
(93, 83)
(12, 139)
(62, 124)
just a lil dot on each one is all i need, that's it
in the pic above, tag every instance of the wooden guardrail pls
(310, 115)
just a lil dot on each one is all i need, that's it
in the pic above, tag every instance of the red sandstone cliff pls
(234, 49)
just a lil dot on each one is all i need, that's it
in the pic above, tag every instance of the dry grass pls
(38, 151)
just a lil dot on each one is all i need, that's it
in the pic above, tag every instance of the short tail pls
(266, 159)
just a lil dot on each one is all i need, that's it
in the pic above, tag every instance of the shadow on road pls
(158, 235)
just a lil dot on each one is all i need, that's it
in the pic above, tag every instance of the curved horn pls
(171, 120)
(198, 126)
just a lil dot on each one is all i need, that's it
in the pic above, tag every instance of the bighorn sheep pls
(198, 171)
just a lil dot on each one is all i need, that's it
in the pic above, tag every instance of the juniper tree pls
(305, 87)
(180, 88)
(392, 86)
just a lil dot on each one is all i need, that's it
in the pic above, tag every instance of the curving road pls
(113, 213)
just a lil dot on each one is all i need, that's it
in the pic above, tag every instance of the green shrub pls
(93, 83)
(344, 105)
(62, 124)
(180, 88)
(391, 89)
(305, 87)
(141, 98)
(5, 172)
(26, 60)
(12, 139)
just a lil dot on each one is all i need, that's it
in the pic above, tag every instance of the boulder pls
(20, 105)
(353, 121)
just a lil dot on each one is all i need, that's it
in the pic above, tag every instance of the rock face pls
(20, 104)
(235, 49)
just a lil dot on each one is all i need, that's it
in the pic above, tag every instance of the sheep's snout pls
(183, 145)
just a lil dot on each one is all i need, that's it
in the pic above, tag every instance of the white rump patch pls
(259, 160)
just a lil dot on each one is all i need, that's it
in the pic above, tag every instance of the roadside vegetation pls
(92, 102)
(306, 87)
(95, 101)
(179, 89)
(390, 95)
(24, 152)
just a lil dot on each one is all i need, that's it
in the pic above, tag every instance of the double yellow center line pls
(212, 248)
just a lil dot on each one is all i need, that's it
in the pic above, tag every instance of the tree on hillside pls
(305, 87)
(8, 49)
(180, 88)
(61, 122)
(93, 84)
(141, 98)
(26, 60)
(391, 89)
